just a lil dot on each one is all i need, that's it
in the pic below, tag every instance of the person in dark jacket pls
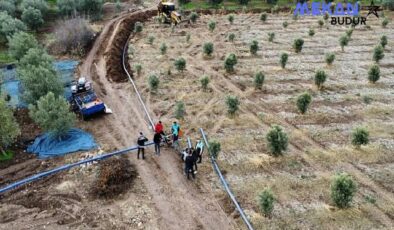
(157, 140)
(141, 145)
(189, 161)
(195, 158)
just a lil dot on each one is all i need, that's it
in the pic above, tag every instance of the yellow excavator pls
(168, 14)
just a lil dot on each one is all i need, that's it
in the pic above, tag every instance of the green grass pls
(4, 58)
(8, 156)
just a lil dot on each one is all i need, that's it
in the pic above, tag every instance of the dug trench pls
(178, 203)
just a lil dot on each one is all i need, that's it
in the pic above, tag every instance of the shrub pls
(232, 103)
(231, 37)
(385, 22)
(277, 140)
(214, 148)
(187, 37)
(320, 78)
(230, 62)
(297, 45)
(208, 48)
(73, 36)
(138, 27)
(204, 82)
(330, 57)
(9, 128)
(360, 136)
(193, 17)
(180, 64)
(8, 6)
(378, 53)
(163, 48)
(151, 39)
(153, 83)
(285, 24)
(52, 114)
(259, 80)
(266, 202)
(311, 32)
(383, 41)
(374, 73)
(321, 23)
(32, 18)
(254, 47)
(115, 176)
(303, 102)
(349, 32)
(138, 68)
(215, 3)
(275, 9)
(271, 36)
(211, 26)
(20, 43)
(343, 189)
(179, 110)
(343, 41)
(9, 26)
(231, 18)
(263, 17)
(283, 60)
(118, 6)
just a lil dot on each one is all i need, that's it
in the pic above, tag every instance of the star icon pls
(372, 9)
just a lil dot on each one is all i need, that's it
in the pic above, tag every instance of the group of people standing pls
(191, 156)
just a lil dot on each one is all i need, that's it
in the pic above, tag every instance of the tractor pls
(168, 14)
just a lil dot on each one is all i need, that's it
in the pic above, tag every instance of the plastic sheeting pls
(47, 145)
(11, 85)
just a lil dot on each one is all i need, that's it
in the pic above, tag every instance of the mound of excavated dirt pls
(114, 51)
(116, 175)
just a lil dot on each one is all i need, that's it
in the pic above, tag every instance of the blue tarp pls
(10, 84)
(47, 145)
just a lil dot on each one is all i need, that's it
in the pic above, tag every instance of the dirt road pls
(180, 204)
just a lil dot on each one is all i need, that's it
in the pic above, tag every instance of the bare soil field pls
(319, 140)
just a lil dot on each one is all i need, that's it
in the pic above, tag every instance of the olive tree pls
(204, 82)
(263, 17)
(180, 64)
(163, 48)
(259, 80)
(320, 78)
(37, 81)
(180, 110)
(9, 26)
(329, 58)
(277, 140)
(374, 73)
(214, 148)
(9, 128)
(297, 45)
(271, 36)
(231, 37)
(343, 41)
(343, 189)
(303, 102)
(153, 82)
(230, 18)
(232, 103)
(40, 5)
(383, 41)
(32, 18)
(52, 114)
(208, 48)
(67, 7)
(230, 62)
(283, 60)
(211, 26)
(266, 202)
(193, 17)
(254, 47)
(360, 136)
(311, 32)
(20, 43)
(378, 53)
(8, 6)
